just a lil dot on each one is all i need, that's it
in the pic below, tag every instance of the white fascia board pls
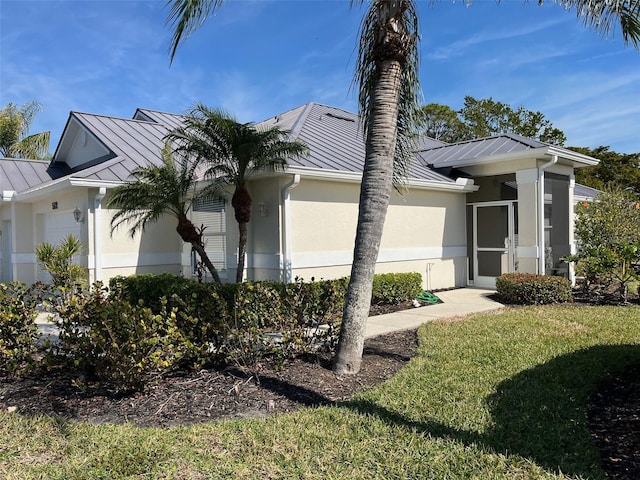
(61, 184)
(574, 157)
(356, 177)
(7, 195)
(84, 182)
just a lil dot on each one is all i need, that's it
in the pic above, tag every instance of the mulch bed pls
(208, 394)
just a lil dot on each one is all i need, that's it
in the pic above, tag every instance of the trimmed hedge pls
(392, 288)
(531, 289)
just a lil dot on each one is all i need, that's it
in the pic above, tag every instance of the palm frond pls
(186, 16)
(604, 15)
(367, 74)
(34, 146)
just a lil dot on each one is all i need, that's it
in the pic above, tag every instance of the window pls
(211, 215)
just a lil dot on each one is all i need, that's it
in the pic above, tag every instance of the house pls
(470, 211)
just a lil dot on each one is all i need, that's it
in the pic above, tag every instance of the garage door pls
(58, 226)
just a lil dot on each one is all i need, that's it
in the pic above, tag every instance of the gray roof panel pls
(478, 148)
(18, 174)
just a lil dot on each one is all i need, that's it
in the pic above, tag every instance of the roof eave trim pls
(463, 185)
(61, 184)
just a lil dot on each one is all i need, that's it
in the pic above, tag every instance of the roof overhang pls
(570, 157)
(58, 185)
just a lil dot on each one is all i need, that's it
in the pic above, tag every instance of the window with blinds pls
(211, 214)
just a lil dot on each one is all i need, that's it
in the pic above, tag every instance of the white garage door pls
(58, 226)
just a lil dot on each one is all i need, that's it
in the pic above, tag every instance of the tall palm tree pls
(386, 74)
(232, 153)
(158, 190)
(15, 141)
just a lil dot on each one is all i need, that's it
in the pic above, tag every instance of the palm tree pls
(232, 152)
(158, 190)
(386, 74)
(15, 141)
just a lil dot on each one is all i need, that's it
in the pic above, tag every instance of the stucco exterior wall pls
(424, 230)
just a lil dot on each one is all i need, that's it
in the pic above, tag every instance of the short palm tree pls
(232, 153)
(159, 190)
(15, 141)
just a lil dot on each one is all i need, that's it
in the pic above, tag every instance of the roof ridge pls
(101, 115)
(300, 121)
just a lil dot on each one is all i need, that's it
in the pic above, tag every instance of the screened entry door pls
(495, 241)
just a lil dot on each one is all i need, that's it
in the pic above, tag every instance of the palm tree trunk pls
(197, 246)
(189, 234)
(242, 251)
(375, 193)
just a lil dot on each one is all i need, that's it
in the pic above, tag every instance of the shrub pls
(609, 240)
(530, 289)
(392, 288)
(18, 333)
(57, 260)
(203, 308)
(111, 339)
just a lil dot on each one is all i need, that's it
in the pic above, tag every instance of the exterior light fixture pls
(77, 216)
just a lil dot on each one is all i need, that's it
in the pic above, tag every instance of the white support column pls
(528, 251)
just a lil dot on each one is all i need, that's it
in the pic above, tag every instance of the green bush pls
(204, 307)
(609, 241)
(110, 339)
(243, 324)
(18, 333)
(392, 288)
(530, 289)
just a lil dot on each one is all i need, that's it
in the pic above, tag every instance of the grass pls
(492, 396)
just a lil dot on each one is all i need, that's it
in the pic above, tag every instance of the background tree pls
(386, 74)
(15, 141)
(158, 190)
(487, 117)
(232, 152)
(442, 122)
(615, 170)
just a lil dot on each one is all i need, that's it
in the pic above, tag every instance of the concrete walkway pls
(458, 302)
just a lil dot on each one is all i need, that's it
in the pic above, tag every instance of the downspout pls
(97, 234)
(286, 227)
(541, 169)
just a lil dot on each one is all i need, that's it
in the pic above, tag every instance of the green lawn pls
(493, 396)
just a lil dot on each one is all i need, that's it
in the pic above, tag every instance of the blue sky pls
(257, 58)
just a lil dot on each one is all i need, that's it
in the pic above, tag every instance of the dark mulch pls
(614, 421)
(211, 395)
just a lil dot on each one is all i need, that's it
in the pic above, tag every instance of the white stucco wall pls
(424, 230)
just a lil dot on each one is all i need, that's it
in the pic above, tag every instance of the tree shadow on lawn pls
(539, 414)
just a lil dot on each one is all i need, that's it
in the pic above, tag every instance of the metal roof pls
(462, 152)
(17, 174)
(333, 135)
(135, 143)
(335, 140)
